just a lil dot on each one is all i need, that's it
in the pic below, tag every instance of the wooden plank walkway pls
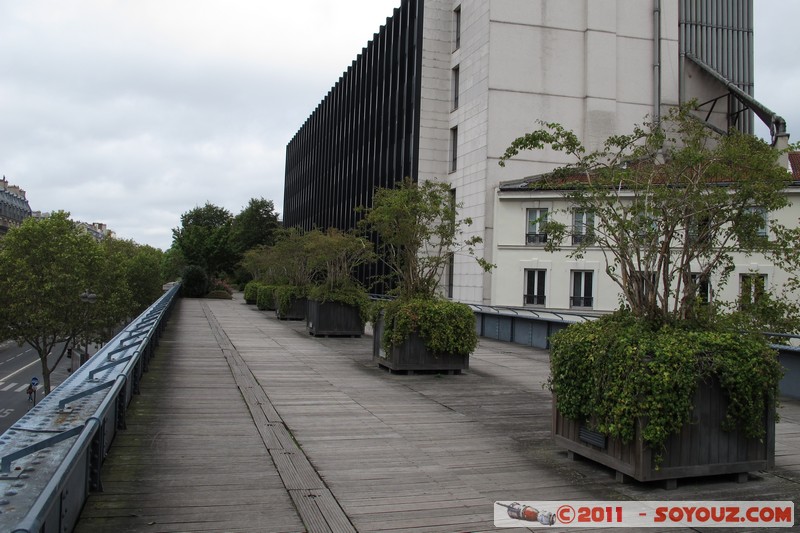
(246, 423)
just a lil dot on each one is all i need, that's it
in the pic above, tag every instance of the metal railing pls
(51, 458)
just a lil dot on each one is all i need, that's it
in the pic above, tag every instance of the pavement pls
(247, 423)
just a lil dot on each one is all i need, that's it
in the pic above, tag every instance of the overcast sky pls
(134, 112)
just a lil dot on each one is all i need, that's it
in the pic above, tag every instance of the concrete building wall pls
(598, 67)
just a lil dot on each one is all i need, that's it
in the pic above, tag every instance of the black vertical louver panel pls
(363, 135)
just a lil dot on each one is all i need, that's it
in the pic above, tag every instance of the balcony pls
(534, 299)
(581, 301)
(535, 238)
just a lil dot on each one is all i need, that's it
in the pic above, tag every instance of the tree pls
(336, 255)
(204, 239)
(45, 266)
(256, 225)
(141, 265)
(671, 202)
(419, 231)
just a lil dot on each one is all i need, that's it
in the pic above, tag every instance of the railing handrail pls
(57, 434)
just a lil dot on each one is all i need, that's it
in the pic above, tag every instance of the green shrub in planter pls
(251, 291)
(352, 295)
(285, 295)
(618, 370)
(445, 326)
(265, 297)
(219, 295)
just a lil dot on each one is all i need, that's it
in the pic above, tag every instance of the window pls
(582, 281)
(761, 214)
(751, 288)
(534, 287)
(582, 226)
(454, 96)
(457, 28)
(702, 288)
(453, 149)
(699, 230)
(537, 220)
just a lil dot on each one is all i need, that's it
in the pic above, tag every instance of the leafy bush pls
(220, 285)
(251, 291)
(265, 297)
(219, 295)
(445, 326)
(619, 370)
(352, 295)
(194, 282)
(285, 294)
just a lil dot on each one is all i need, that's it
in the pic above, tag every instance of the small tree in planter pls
(419, 232)
(293, 270)
(337, 304)
(670, 200)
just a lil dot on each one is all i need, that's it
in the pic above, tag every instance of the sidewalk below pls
(247, 423)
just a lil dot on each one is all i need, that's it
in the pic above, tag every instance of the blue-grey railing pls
(533, 327)
(51, 458)
(523, 325)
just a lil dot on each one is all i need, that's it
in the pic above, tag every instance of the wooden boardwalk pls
(246, 423)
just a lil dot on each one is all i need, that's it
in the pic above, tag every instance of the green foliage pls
(669, 200)
(285, 295)
(334, 255)
(194, 282)
(620, 371)
(419, 231)
(172, 264)
(203, 239)
(446, 327)
(352, 295)
(219, 295)
(256, 225)
(265, 297)
(288, 262)
(766, 314)
(251, 291)
(45, 265)
(141, 267)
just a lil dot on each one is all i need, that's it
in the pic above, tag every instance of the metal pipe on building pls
(657, 60)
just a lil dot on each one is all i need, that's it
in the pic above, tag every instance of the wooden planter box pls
(297, 310)
(702, 448)
(333, 318)
(413, 355)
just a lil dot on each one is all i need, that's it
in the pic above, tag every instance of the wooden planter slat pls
(701, 448)
(333, 318)
(412, 355)
(297, 310)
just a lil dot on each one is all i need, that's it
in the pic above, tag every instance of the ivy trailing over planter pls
(285, 295)
(265, 296)
(352, 295)
(618, 371)
(251, 291)
(445, 326)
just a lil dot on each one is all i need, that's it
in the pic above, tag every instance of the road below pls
(18, 366)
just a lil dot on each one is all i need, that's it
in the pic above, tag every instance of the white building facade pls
(485, 71)
(535, 278)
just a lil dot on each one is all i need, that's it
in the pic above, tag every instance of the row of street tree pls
(60, 288)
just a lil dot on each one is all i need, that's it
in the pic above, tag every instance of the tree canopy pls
(204, 239)
(419, 231)
(45, 266)
(256, 225)
(671, 203)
